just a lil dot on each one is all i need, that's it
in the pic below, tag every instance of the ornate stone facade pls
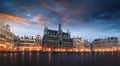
(105, 44)
(6, 37)
(56, 38)
(25, 43)
(80, 43)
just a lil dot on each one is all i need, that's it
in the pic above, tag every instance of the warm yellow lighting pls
(10, 47)
(38, 49)
(15, 48)
(49, 49)
(3, 45)
(22, 49)
(82, 50)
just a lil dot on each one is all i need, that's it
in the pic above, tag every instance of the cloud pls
(42, 20)
(93, 9)
(12, 18)
(100, 15)
(53, 8)
(67, 18)
(88, 10)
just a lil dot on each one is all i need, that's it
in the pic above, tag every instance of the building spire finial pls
(46, 27)
(60, 27)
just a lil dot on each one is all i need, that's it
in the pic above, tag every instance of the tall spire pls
(68, 32)
(60, 34)
(46, 27)
(60, 27)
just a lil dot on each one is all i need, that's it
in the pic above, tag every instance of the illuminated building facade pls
(119, 45)
(80, 43)
(6, 37)
(119, 42)
(106, 44)
(56, 38)
(26, 43)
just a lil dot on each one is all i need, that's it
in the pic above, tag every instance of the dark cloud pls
(99, 14)
(86, 9)
(93, 9)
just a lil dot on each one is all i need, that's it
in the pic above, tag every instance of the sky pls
(90, 19)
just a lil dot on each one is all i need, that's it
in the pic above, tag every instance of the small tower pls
(68, 33)
(60, 34)
(60, 28)
(38, 39)
(45, 29)
(7, 27)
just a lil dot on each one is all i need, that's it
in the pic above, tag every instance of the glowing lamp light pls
(49, 49)
(22, 49)
(38, 49)
(15, 48)
(10, 47)
(30, 49)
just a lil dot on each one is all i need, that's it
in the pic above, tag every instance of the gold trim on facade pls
(6, 38)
